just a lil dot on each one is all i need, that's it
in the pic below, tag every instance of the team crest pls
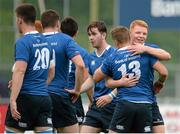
(92, 63)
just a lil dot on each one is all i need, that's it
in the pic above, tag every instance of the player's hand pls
(136, 48)
(15, 114)
(103, 100)
(74, 94)
(127, 81)
(158, 86)
(10, 84)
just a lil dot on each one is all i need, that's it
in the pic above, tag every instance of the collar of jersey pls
(103, 51)
(123, 48)
(31, 32)
(50, 33)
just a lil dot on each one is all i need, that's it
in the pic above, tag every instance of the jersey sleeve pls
(71, 49)
(106, 66)
(89, 62)
(153, 45)
(21, 51)
(153, 60)
(86, 59)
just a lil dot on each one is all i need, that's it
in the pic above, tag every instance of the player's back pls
(140, 66)
(34, 49)
(63, 47)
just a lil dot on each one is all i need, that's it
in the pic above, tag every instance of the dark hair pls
(100, 25)
(49, 18)
(120, 34)
(27, 12)
(69, 26)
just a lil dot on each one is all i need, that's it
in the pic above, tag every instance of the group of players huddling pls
(51, 71)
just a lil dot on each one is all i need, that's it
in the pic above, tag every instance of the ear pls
(58, 25)
(104, 35)
(19, 20)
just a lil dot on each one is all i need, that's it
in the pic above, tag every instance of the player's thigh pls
(44, 118)
(63, 113)
(12, 130)
(158, 129)
(143, 118)
(158, 122)
(24, 103)
(79, 110)
(123, 117)
(69, 129)
(89, 129)
(106, 116)
(93, 118)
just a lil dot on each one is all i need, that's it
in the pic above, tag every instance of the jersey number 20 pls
(43, 57)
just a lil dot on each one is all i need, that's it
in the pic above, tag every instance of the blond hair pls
(120, 34)
(139, 23)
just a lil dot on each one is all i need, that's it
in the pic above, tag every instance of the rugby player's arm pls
(17, 79)
(162, 70)
(110, 83)
(163, 75)
(124, 81)
(90, 91)
(98, 75)
(161, 54)
(79, 73)
(51, 72)
(87, 85)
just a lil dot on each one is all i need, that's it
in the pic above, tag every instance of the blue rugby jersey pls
(85, 56)
(152, 71)
(64, 49)
(122, 62)
(95, 62)
(34, 49)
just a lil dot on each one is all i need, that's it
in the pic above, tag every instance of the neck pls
(28, 28)
(100, 49)
(50, 29)
(121, 45)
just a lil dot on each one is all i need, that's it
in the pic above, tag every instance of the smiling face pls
(138, 34)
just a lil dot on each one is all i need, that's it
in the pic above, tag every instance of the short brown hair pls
(27, 12)
(100, 25)
(139, 23)
(120, 34)
(69, 26)
(49, 18)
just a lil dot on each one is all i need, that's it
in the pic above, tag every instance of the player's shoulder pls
(110, 48)
(22, 40)
(152, 45)
(82, 50)
(64, 36)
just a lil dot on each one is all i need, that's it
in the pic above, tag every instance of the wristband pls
(112, 95)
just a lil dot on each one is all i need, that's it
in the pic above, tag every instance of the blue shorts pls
(157, 117)
(99, 117)
(132, 117)
(63, 113)
(79, 110)
(35, 111)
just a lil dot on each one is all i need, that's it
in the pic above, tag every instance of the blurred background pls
(163, 17)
